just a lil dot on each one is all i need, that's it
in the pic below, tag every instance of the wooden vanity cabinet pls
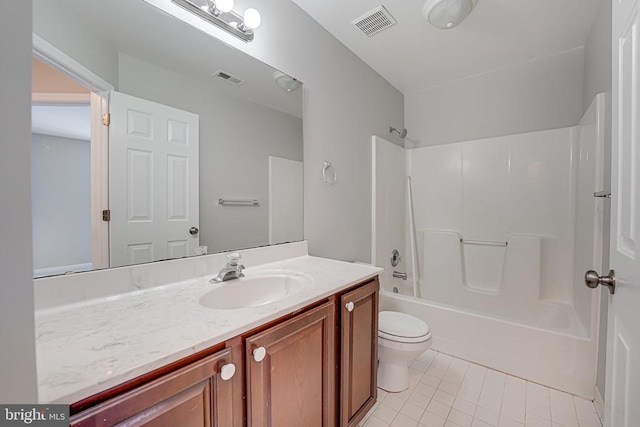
(314, 368)
(194, 396)
(358, 352)
(290, 372)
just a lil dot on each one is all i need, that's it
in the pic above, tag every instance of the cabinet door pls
(359, 353)
(291, 372)
(194, 396)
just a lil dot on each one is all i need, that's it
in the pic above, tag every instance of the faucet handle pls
(233, 258)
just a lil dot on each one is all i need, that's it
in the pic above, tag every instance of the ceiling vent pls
(374, 21)
(228, 77)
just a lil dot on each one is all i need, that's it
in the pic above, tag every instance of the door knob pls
(227, 371)
(592, 280)
(350, 306)
(193, 231)
(259, 354)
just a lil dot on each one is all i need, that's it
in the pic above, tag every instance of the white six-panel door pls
(153, 181)
(622, 395)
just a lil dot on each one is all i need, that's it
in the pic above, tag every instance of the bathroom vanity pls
(309, 360)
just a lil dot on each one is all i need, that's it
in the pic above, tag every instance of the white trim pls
(374, 201)
(99, 99)
(99, 181)
(61, 98)
(51, 55)
(62, 269)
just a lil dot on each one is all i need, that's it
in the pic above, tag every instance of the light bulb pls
(224, 5)
(252, 18)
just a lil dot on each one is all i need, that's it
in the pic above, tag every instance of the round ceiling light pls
(286, 82)
(446, 14)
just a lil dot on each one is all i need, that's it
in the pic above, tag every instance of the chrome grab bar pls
(239, 202)
(482, 242)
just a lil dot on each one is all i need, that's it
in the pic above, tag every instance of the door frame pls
(100, 90)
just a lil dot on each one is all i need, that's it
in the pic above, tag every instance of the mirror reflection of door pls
(153, 181)
(153, 189)
(61, 173)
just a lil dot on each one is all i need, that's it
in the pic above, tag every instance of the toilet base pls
(393, 377)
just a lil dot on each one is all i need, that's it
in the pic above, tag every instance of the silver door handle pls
(592, 280)
(193, 231)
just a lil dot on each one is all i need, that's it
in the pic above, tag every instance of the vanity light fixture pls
(446, 14)
(220, 13)
(286, 82)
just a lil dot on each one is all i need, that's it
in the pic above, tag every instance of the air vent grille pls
(228, 77)
(374, 21)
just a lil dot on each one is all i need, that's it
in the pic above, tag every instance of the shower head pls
(402, 133)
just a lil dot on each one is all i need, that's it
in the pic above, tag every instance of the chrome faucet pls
(232, 270)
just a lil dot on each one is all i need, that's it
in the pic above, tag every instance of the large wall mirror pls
(202, 152)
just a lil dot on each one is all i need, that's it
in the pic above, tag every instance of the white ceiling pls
(413, 55)
(66, 121)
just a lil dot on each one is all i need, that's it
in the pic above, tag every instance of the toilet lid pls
(402, 325)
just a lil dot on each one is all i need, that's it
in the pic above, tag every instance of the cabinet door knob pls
(349, 306)
(227, 371)
(259, 354)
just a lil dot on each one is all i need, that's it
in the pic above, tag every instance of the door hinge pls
(106, 215)
(106, 119)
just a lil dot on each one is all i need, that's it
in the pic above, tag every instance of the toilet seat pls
(401, 327)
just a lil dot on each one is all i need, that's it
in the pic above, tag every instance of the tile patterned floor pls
(448, 392)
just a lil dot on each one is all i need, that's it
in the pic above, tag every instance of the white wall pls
(61, 197)
(497, 188)
(74, 38)
(17, 357)
(597, 55)
(236, 139)
(544, 93)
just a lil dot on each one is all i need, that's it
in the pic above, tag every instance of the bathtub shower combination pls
(495, 236)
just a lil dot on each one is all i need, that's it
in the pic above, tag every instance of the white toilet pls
(401, 338)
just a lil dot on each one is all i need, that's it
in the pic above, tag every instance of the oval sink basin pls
(254, 290)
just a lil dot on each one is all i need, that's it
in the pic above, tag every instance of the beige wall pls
(48, 80)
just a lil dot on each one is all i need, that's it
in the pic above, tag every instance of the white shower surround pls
(526, 310)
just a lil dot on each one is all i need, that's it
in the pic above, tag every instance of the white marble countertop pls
(88, 347)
